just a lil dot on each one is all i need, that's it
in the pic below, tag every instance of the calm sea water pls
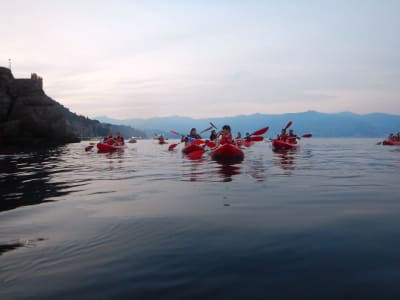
(322, 222)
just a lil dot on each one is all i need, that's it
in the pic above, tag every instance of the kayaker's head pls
(193, 132)
(291, 132)
(226, 130)
(283, 131)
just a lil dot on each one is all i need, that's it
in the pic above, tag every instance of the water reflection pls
(285, 159)
(257, 168)
(227, 170)
(27, 178)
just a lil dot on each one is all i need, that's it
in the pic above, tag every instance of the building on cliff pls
(27, 114)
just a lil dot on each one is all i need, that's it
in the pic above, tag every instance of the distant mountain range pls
(87, 128)
(344, 124)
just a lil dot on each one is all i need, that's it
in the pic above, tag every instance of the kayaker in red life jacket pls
(283, 136)
(213, 135)
(292, 138)
(239, 136)
(119, 139)
(248, 137)
(226, 136)
(108, 139)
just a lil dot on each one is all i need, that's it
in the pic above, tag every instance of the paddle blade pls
(288, 125)
(256, 138)
(88, 148)
(260, 131)
(207, 129)
(172, 147)
(211, 123)
(307, 135)
(175, 132)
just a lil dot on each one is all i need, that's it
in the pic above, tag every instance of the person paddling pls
(292, 137)
(108, 139)
(213, 135)
(193, 135)
(119, 139)
(283, 136)
(226, 136)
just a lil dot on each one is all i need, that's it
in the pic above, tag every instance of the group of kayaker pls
(290, 137)
(222, 137)
(394, 137)
(110, 140)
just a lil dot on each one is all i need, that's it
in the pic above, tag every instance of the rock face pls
(28, 115)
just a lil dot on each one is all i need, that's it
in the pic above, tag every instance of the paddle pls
(255, 139)
(196, 142)
(259, 132)
(88, 148)
(215, 127)
(307, 135)
(207, 129)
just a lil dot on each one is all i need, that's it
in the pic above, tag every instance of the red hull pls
(278, 144)
(189, 148)
(391, 143)
(228, 152)
(109, 148)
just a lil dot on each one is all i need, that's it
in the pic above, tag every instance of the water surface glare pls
(321, 222)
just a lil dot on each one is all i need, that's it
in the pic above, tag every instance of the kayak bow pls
(227, 152)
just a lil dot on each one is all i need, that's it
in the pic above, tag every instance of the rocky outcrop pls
(28, 115)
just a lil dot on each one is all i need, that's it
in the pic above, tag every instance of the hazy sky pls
(207, 58)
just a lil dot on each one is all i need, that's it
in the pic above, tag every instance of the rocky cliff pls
(28, 115)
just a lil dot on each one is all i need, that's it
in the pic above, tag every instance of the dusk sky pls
(129, 59)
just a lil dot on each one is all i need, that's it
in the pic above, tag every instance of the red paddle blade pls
(175, 132)
(256, 138)
(288, 125)
(307, 135)
(207, 129)
(172, 147)
(88, 148)
(211, 123)
(260, 131)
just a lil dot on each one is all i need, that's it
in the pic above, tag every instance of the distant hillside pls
(85, 127)
(319, 124)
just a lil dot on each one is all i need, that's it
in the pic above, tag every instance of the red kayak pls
(278, 144)
(102, 147)
(191, 147)
(391, 143)
(227, 152)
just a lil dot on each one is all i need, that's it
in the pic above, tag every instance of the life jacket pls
(283, 137)
(226, 139)
(110, 141)
(119, 139)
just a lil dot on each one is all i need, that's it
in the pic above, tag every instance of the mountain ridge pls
(342, 124)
